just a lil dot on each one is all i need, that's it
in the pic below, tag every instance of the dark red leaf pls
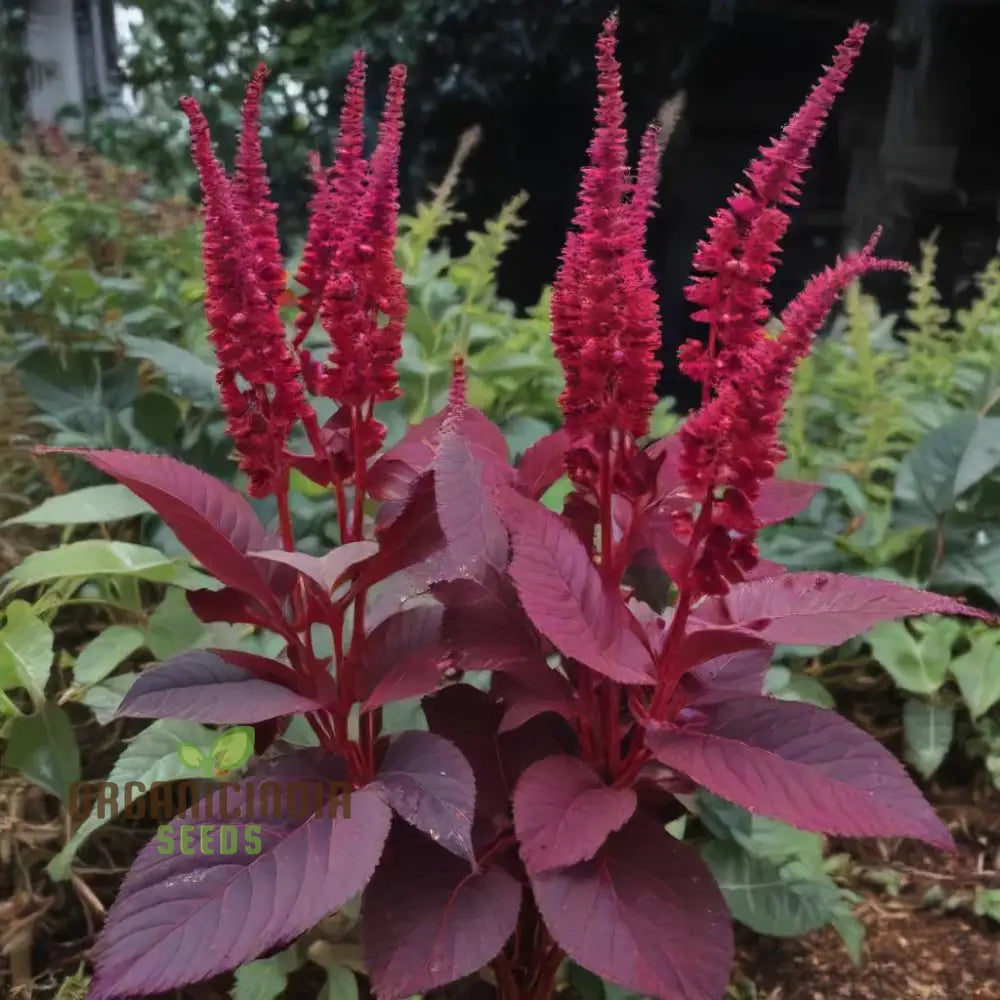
(234, 607)
(543, 736)
(645, 913)
(463, 488)
(487, 629)
(392, 476)
(214, 522)
(182, 918)
(404, 656)
(429, 783)
(413, 540)
(201, 686)
(781, 499)
(668, 478)
(802, 765)
(564, 812)
(427, 920)
(733, 674)
(824, 609)
(543, 464)
(565, 597)
(703, 644)
(468, 718)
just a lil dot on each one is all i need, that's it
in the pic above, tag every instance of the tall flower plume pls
(605, 320)
(731, 445)
(364, 302)
(338, 193)
(258, 374)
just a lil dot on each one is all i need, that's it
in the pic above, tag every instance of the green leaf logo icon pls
(232, 749)
(191, 756)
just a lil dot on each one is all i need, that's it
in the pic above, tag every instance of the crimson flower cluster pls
(730, 445)
(605, 317)
(525, 824)
(350, 280)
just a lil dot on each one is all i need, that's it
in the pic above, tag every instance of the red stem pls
(285, 515)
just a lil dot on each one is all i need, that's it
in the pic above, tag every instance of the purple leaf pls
(411, 539)
(392, 476)
(213, 522)
(564, 812)
(645, 913)
(703, 644)
(468, 719)
(802, 765)
(429, 783)
(404, 656)
(235, 607)
(781, 499)
(565, 597)
(824, 609)
(733, 674)
(201, 686)
(543, 464)
(182, 918)
(427, 920)
(329, 570)
(463, 488)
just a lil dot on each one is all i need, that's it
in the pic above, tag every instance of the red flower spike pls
(334, 206)
(364, 304)
(605, 322)
(731, 444)
(244, 325)
(457, 390)
(737, 259)
(252, 194)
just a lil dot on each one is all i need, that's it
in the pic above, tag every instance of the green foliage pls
(901, 422)
(455, 309)
(775, 878)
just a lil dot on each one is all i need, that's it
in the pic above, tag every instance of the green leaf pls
(899, 652)
(187, 376)
(555, 496)
(173, 628)
(43, 748)
(783, 900)
(341, 984)
(852, 933)
(982, 454)
(986, 903)
(522, 432)
(92, 505)
(103, 699)
(267, 978)
(972, 559)
(98, 557)
(26, 652)
(927, 732)
(943, 465)
(106, 652)
(75, 987)
(150, 757)
(978, 672)
(791, 685)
